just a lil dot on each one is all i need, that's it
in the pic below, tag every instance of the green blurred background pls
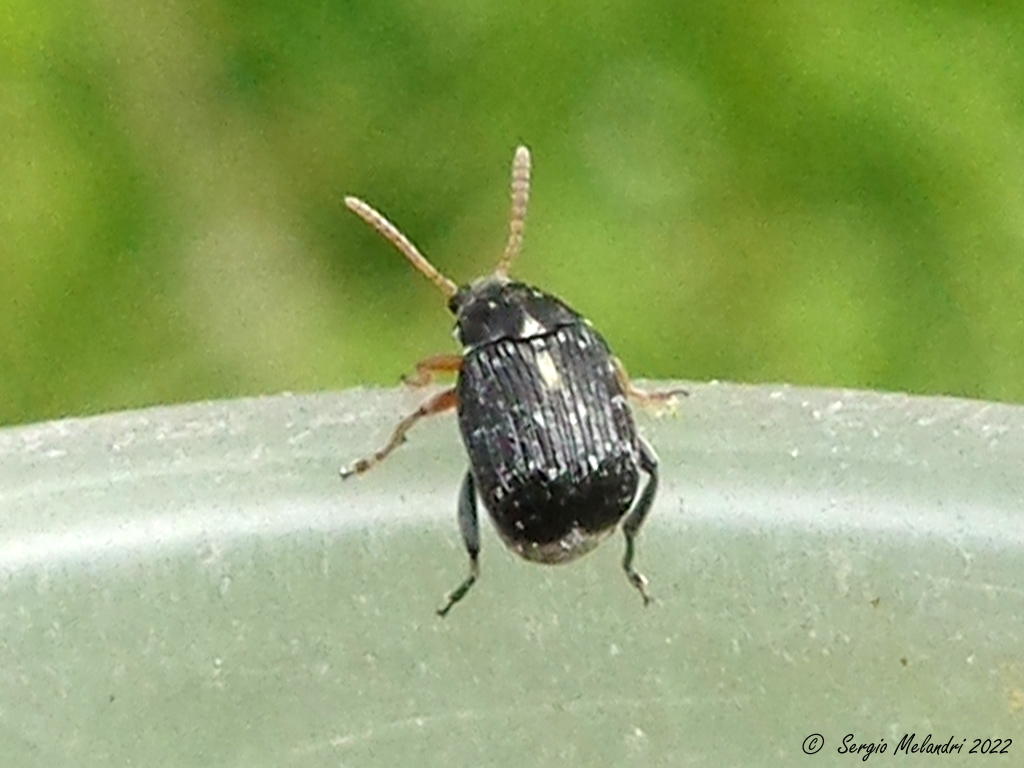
(818, 193)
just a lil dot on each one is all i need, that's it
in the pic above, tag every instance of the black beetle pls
(553, 449)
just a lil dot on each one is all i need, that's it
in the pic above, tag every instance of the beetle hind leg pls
(470, 528)
(635, 519)
(439, 403)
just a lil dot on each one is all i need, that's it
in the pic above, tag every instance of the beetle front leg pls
(425, 369)
(439, 403)
(644, 396)
(471, 536)
(635, 519)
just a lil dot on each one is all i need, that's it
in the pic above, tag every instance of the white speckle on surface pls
(530, 327)
(548, 372)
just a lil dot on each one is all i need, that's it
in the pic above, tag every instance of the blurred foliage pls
(819, 193)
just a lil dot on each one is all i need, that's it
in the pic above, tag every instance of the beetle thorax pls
(491, 309)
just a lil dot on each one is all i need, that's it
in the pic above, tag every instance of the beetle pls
(554, 452)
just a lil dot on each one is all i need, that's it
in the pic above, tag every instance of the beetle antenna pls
(520, 199)
(376, 220)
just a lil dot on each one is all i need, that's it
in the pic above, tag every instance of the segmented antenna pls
(401, 242)
(520, 199)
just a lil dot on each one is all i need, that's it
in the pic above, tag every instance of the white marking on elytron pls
(538, 416)
(530, 327)
(548, 372)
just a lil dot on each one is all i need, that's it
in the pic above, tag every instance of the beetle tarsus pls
(643, 396)
(637, 579)
(443, 401)
(417, 380)
(460, 591)
(659, 397)
(355, 468)
(470, 529)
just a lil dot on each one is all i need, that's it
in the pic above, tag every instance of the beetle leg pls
(644, 396)
(425, 369)
(440, 402)
(471, 536)
(635, 519)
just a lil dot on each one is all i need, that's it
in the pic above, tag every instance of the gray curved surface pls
(194, 585)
